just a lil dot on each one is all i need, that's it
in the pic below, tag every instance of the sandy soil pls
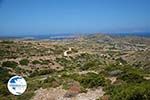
(59, 94)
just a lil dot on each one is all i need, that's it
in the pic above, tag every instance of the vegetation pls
(4, 53)
(90, 65)
(119, 67)
(24, 62)
(136, 91)
(4, 76)
(41, 72)
(91, 80)
(51, 82)
(6, 42)
(131, 77)
(11, 64)
(45, 62)
(36, 62)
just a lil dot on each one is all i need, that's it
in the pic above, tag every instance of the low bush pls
(11, 64)
(89, 80)
(45, 62)
(136, 91)
(51, 82)
(24, 62)
(4, 53)
(44, 72)
(7, 42)
(26, 96)
(131, 74)
(41, 72)
(3, 90)
(88, 65)
(4, 75)
(131, 77)
(36, 62)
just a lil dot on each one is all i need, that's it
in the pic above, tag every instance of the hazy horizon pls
(33, 17)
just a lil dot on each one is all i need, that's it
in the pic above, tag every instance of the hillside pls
(93, 67)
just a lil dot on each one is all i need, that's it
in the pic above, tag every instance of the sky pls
(73, 16)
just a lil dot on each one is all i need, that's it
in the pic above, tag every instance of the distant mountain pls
(141, 34)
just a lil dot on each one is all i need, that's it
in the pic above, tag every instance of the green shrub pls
(91, 80)
(65, 86)
(3, 90)
(11, 64)
(88, 65)
(44, 72)
(4, 75)
(18, 70)
(24, 62)
(59, 49)
(45, 62)
(137, 91)
(131, 74)
(36, 62)
(34, 85)
(63, 61)
(7, 42)
(131, 77)
(51, 82)
(113, 67)
(41, 72)
(26, 96)
(4, 53)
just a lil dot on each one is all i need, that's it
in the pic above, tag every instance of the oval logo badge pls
(17, 85)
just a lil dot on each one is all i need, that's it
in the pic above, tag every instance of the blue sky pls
(73, 16)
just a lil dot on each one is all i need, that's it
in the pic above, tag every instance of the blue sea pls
(69, 36)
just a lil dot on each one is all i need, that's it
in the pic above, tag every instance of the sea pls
(62, 36)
